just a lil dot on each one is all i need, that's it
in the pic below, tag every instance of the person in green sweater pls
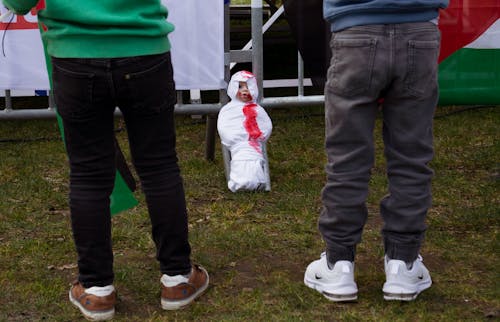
(108, 53)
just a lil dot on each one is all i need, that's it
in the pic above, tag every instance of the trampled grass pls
(255, 245)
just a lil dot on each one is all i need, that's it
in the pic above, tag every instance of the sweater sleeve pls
(20, 7)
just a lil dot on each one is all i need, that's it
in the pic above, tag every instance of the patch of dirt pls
(128, 304)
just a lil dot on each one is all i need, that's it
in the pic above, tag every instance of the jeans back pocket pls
(152, 88)
(351, 68)
(422, 66)
(73, 89)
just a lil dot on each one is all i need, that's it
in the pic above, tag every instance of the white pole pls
(300, 72)
(257, 45)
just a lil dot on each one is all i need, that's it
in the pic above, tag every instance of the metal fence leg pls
(210, 137)
(8, 101)
(226, 157)
(266, 168)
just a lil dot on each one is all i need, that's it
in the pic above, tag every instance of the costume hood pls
(243, 76)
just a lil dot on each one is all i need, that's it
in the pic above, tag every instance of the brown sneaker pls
(179, 291)
(93, 307)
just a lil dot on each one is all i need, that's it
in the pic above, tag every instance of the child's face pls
(243, 92)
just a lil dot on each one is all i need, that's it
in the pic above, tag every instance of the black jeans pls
(86, 94)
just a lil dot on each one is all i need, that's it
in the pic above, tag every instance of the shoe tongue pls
(100, 291)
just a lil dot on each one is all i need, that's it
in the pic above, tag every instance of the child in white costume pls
(244, 127)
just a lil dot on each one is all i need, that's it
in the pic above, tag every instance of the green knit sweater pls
(101, 28)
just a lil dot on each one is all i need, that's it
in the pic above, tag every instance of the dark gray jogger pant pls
(399, 64)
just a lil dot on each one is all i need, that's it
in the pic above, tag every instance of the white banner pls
(197, 43)
(197, 47)
(22, 62)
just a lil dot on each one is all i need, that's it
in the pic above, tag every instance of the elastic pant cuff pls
(335, 254)
(405, 252)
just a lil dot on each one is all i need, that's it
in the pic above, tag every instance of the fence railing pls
(252, 52)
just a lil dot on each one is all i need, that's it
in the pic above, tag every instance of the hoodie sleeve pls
(20, 7)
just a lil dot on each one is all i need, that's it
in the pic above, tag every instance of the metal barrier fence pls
(252, 52)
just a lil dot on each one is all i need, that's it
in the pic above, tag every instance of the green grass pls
(255, 245)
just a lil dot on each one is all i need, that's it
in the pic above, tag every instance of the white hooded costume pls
(244, 128)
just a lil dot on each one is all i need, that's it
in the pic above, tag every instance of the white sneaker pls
(336, 284)
(403, 284)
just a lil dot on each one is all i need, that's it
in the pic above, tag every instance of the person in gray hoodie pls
(384, 58)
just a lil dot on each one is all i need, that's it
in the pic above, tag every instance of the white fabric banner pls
(197, 43)
(22, 62)
(197, 47)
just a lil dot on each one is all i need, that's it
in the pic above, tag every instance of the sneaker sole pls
(353, 297)
(92, 315)
(400, 297)
(389, 296)
(176, 305)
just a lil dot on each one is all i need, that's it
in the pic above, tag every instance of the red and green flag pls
(469, 69)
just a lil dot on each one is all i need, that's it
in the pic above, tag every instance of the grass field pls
(255, 245)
